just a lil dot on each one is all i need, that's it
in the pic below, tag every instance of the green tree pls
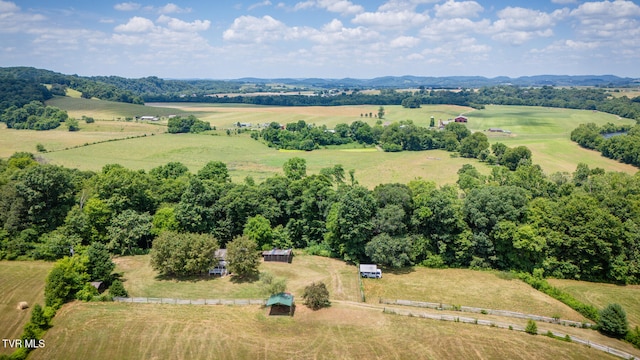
(349, 225)
(390, 251)
(295, 168)
(65, 279)
(215, 171)
(128, 231)
(258, 229)
(531, 328)
(117, 289)
(99, 263)
(613, 321)
(316, 296)
(164, 220)
(183, 254)
(513, 157)
(72, 124)
(473, 145)
(243, 257)
(380, 112)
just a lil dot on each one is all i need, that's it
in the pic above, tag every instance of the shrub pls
(531, 328)
(316, 296)
(613, 321)
(41, 148)
(633, 337)
(117, 289)
(87, 292)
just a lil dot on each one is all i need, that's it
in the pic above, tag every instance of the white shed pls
(370, 271)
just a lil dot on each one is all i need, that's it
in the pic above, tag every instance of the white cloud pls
(391, 19)
(458, 9)
(343, 7)
(179, 25)
(127, 6)
(8, 7)
(253, 29)
(404, 5)
(451, 29)
(260, 4)
(172, 8)
(607, 9)
(518, 25)
(136, 24)
(404, 42)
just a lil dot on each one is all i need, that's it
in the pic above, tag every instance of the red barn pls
(461, 119)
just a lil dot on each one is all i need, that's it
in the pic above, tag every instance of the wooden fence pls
(149, 300)
(505, 313)
(467, 320)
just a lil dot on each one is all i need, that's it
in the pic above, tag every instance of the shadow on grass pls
(248, 278)
(186, 278)
(400, 271)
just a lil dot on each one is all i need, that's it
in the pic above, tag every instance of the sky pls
(322, 38)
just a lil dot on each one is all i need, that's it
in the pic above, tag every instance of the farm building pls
(461, 119)
(278, 255)
(370, 271)
(151, 118)
(221, 267)
(281, 304)
(99, 285)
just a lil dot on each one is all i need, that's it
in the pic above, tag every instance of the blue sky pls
(322, 38)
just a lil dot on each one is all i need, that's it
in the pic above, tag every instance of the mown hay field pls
(141, 280)
(19, 281)
(148, 331)
(482, 289)
(600, 295)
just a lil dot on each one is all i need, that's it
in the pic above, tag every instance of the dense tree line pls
(34, 116)
(189, 124)
(14, 92)
(620, 143)
(580, 226)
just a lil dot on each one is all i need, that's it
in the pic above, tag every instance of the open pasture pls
(247, 157)
(544, 130)
(19, 281)
(600, 295)
(483, 289)
(147, 331)
(142, 281)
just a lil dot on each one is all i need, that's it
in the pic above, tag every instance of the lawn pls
(483, 289)
(142, 281)
(19, 281)
(600, 295)
(146, 331)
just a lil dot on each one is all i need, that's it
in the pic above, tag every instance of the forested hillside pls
(584, 226)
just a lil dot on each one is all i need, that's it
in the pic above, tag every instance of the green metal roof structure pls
(281, 299)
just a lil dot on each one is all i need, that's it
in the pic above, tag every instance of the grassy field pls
(141, 280)
(19, 281)
(483, 289)
(145, 331)
(600, 295)
(544, 130)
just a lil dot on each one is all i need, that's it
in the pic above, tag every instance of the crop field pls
(141, 280)
(145, 331)
(600, 295)
(19, 281)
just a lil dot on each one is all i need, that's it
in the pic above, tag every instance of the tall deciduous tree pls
(177, 254)
(295, 168)
(128, 230)
(243, 257)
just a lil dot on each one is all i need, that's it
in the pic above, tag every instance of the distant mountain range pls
(453, 81)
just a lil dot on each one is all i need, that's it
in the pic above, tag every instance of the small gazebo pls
(281, 304)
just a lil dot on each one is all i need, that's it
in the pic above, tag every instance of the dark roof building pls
(279, 255)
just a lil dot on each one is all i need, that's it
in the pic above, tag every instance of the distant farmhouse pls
(461, 119)
(149, 118)
(278, 255)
